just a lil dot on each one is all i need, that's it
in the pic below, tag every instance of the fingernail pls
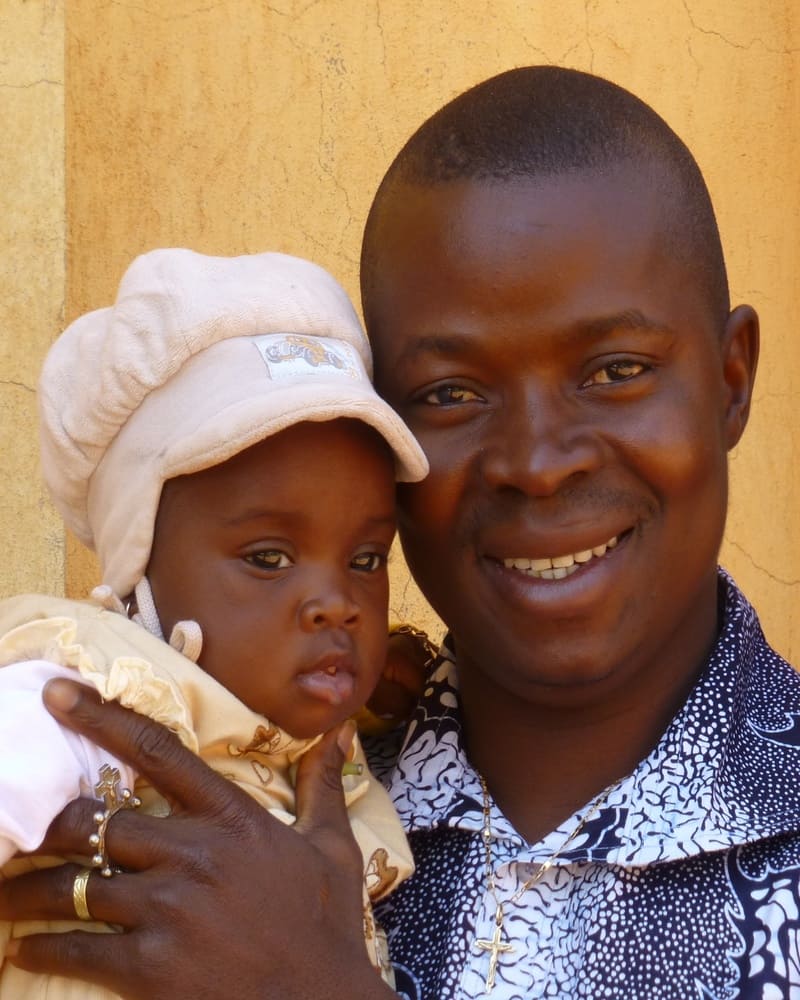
(61, 694)
(345, 738)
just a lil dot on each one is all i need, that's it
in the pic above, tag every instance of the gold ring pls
(79, 894)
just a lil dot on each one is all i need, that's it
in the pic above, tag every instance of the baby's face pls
(280, 555)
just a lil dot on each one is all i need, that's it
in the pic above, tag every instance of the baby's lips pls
(333, 688)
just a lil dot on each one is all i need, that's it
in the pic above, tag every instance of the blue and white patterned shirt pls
(684, 885)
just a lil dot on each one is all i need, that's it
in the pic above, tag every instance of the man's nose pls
(538, 441)
(331, 606)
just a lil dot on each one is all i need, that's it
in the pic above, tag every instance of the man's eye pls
(369, 562)
(269, 559)
(449, 395)
(617, 371)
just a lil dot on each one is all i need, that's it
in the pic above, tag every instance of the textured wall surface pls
(32, 242)
(242, 125)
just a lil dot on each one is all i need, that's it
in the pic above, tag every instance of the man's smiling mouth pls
(559, 567)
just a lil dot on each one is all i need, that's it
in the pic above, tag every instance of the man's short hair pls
(546, 121)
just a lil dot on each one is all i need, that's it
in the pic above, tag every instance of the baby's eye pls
(368, 562)
(269, 559)
(449, 395)
(617, 371)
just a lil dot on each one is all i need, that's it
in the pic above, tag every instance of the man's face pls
(570, 388)
(280, 555)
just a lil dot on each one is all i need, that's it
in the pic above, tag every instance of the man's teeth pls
(559, 566)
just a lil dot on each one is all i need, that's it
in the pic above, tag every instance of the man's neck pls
(542, 762)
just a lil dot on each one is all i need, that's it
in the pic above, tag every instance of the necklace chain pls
(496, 945)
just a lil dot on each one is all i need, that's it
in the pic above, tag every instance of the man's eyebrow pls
(442, 344)
(452, 344)
(629, 319)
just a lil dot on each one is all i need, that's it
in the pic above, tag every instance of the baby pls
(215, 438)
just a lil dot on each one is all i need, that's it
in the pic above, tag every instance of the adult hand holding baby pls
(187, 888)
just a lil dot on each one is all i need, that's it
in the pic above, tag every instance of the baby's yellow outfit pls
(126, 663)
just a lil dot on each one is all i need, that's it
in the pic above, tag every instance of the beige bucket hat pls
(199, 358)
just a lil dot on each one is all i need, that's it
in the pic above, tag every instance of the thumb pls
(320, 796)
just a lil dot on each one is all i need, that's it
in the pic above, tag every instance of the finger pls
(69, 832)
(150, 748)
(44, 894)
(47, 894)
(320, 797)
(133, 840)
(92, 958)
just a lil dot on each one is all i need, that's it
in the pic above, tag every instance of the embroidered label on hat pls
(293, 355)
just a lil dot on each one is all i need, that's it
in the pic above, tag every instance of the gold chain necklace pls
(496, 945)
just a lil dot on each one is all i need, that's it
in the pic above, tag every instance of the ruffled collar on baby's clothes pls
(127, 664)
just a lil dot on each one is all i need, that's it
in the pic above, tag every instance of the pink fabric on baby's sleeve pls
(43, 766)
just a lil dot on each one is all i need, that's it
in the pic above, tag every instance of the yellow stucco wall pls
(32, 279)
(240, 126)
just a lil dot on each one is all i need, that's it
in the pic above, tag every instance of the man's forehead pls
(485, 228)
(581, 248)
(642, 185)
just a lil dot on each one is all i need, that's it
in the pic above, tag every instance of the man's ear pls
(739, 346)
